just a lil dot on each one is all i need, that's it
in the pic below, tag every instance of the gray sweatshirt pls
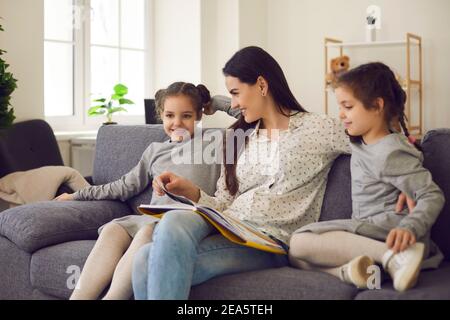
(382, 170)
(186, 159)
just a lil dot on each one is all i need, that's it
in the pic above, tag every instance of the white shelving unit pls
(412, 42)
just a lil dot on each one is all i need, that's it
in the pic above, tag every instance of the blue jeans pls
(186, 251)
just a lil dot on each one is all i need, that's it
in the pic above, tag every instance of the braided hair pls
(376, 80)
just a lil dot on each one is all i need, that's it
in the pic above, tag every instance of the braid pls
(400, 97)
(402, 119)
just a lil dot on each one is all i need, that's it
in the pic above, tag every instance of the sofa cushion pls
(432, 285)
(436, 149)
(118, 149)
(54, 270)
(281, 283)
(38, 225)
(15, 271)
(337, 202)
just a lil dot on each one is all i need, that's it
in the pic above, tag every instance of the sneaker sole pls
(409, 277)
(358, 271)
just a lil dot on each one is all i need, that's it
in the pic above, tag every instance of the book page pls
(166, 207)
(174, 197)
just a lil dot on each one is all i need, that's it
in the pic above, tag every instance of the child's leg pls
(334, 271)
(121, 288)
(334, 248)
(101, 262)
(355, 272)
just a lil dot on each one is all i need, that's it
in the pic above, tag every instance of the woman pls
(277, 200)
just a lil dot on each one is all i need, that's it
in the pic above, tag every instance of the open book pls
(233, 229)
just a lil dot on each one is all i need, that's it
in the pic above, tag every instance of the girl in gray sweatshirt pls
(180, 107)
(383, 164)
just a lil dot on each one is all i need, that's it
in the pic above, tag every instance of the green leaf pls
(99, 100)
(96, 113)
(120, 89)
(94, 109)
(97, 110)
(125, 101)
(117, 109)
(116, 97)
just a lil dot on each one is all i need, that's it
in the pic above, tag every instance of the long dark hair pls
(376, 80)
(247, 65)
(199, 96)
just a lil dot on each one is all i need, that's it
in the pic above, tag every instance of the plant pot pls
(108, 123)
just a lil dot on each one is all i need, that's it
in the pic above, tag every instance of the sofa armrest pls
(34, 226)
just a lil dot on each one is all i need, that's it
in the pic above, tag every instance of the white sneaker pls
(355, 272)
(404, 267)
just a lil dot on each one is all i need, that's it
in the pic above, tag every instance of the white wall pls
(228, 26)
(296, 31)
(177, 36)
(23, 21)
(194, 39)
(220, 39)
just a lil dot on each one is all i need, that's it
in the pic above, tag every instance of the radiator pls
(82, 155)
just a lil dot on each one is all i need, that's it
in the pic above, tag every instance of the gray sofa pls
(44, 245)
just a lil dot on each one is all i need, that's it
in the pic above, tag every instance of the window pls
(59, 47)
(88, 51)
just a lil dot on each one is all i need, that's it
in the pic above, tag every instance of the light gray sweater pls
(185, 159)
(381, 171)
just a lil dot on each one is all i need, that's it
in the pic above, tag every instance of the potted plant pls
(7, 86)
(112, 104)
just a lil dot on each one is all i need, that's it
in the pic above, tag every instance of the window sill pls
(72, 135)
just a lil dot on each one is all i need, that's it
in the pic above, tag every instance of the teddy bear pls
(337, 66)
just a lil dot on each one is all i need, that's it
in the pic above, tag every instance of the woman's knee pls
(179, 225)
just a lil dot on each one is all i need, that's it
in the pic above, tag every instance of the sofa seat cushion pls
(38, 225)
(432, 285)
(55, 269)
(281, 283)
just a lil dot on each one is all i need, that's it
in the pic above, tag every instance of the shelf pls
(412, 86)
(369, 44)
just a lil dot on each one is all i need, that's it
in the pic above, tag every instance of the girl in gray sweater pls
(179, 106)
(383, 164)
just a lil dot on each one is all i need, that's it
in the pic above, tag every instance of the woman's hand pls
(400, 239)
(64, 197)
(402, 198)
(176, 185)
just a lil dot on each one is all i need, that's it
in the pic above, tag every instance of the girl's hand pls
(400, 239)
(402, 198)
(176, 185)
(64, 197)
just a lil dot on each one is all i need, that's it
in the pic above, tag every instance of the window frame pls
(79, 120)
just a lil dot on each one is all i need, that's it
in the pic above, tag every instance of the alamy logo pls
(72, 281)
(208, 149)
(374, 281)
